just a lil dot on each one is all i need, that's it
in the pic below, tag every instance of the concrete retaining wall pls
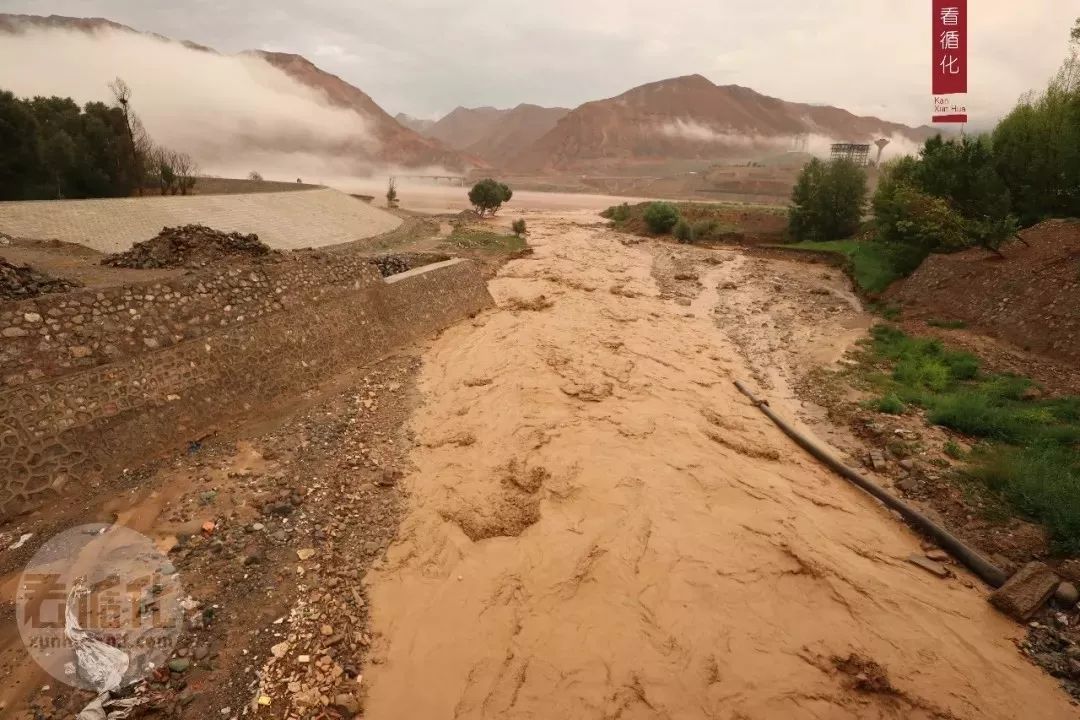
(77, 423)
(284, 220)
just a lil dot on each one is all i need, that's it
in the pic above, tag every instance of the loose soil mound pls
(1030, 296)
(18, 282)
(188, 245)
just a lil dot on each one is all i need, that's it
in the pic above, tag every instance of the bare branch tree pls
(165, 170)
(186, 170)
(122, 95)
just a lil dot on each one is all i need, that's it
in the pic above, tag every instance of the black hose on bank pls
(990, 573)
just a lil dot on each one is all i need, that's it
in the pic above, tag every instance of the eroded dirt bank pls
(600, 526)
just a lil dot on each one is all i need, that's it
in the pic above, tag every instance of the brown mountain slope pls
(515, 131)
(463, 127)
(398, 145)
(494, 134)
(690, 118)
(415, 124)
(13, 23)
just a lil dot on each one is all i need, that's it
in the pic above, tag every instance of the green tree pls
(828, 200)
(1037, 148)
(51, 147)
(488, 195)
(20, 155)
(661, 217)
(910, 217)
(518, 226)
(58, 160)
(963, 172)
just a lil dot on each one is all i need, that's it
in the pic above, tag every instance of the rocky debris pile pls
(316, 500)
(1053, 643)
(189, 246)
(403, 262)
(21, 281)
(391, 265)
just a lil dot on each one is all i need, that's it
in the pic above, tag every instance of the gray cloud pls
(425, 57)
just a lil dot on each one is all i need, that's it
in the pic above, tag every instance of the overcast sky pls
(426, 57)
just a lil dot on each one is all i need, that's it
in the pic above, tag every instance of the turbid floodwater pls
(600, 526)
(430, 198)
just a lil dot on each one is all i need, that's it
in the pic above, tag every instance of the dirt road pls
(600, 526)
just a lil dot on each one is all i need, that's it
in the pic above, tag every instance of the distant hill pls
(691, 118)
(462, 126)
(398, 145)
(515, 131)
(419, 125)
(493, 134)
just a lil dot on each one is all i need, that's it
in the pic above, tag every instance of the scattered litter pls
(105, 707)
(21, 541)
(100, 665)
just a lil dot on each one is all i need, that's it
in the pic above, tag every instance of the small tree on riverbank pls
(828, 200)
(488, 195)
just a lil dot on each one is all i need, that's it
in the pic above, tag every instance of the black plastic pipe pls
(990, 573)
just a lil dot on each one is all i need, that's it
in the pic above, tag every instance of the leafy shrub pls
(488, 195)
(518, 226)
(828, 200)
(661, 217)
(891, 404)
(618, 213)
(683, 232)
(704, 229)
(912, 219)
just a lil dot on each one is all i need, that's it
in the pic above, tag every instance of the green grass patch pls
(946, 324)
(872, 265)
(891, 405)
(1029, 449)
(953, 450)
(471, 238)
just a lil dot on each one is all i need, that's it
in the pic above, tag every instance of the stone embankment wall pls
(98, 381)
